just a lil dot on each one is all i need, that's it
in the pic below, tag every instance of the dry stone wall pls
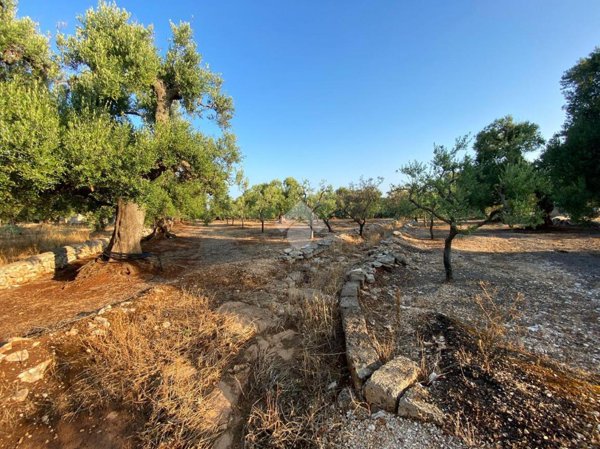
(392, 386)
(21, 272)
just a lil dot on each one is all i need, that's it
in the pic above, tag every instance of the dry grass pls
(494, 322)
(161, 364)
(24, 241)
(291, 395)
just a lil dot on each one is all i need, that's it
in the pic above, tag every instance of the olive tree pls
(572, 155)
(444, 187)
(360, 201)
(30, 163)
(116, 74)
(263, 201)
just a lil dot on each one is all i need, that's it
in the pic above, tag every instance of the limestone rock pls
(360, 353)
(350, 289)
(20, 395)
(415, 404)
(36, 373)
(386, 384)
(357, 275)
(18, 356)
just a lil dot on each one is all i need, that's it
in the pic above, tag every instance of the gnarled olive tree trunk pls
(127, 235)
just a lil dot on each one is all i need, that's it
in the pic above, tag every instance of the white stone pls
(18, 356)
(36, 373)
(385, 385)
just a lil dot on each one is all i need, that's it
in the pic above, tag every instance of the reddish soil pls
(56, 300)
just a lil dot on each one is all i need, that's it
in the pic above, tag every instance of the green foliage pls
(291, 194)
(24, 52)
(115, 59)
(521, 184)
(323, 201)
(572, 156)
(444, 189)
(29, 140)
(106, 159)
(360, 201)
(397, 205)
(502, 143)
(263, 201)
(187, 80)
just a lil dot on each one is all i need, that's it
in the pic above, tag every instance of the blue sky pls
(334, 90)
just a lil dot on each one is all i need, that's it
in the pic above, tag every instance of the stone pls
(385, 385)
(350, 288)
(349, 302)
(102, 321)
(18, 356)
(370, 278)
(401, 259)
(397, 233)
(386, 259)
(287, 250)
(415, 404)
(20, 395)
(249, 317)
(36, 373)
(362, 357)
(345, 398)
(357, 275)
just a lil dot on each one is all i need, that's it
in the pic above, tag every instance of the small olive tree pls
(263, 201)
(444, 189)
(360, 202)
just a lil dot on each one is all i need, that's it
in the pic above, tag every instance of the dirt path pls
(197, 255)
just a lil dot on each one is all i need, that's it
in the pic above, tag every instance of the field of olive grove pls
(153, 297)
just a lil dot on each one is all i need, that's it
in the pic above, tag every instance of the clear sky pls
(334, 90)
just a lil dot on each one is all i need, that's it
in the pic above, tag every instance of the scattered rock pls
(415, 404)
(20, 395)
(18, 356)
(384, 387)
(36, 373)
(102, 321)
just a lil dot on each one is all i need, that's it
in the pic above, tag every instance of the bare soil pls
(226, 264)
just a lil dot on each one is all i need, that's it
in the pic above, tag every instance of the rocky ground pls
(509, 350)
(279, 372)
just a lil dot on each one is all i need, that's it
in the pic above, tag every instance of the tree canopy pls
(572, 155)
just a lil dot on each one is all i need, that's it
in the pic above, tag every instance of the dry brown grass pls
(291, 395)
(19, 242)
(494, 321)
(161, 364)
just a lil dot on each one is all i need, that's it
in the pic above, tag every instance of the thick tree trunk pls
(361, 227)
(262, 225)
(127, 235)
(162, 229)
(329, 228)
(311, 225)
(431, 227)
(448, 252)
